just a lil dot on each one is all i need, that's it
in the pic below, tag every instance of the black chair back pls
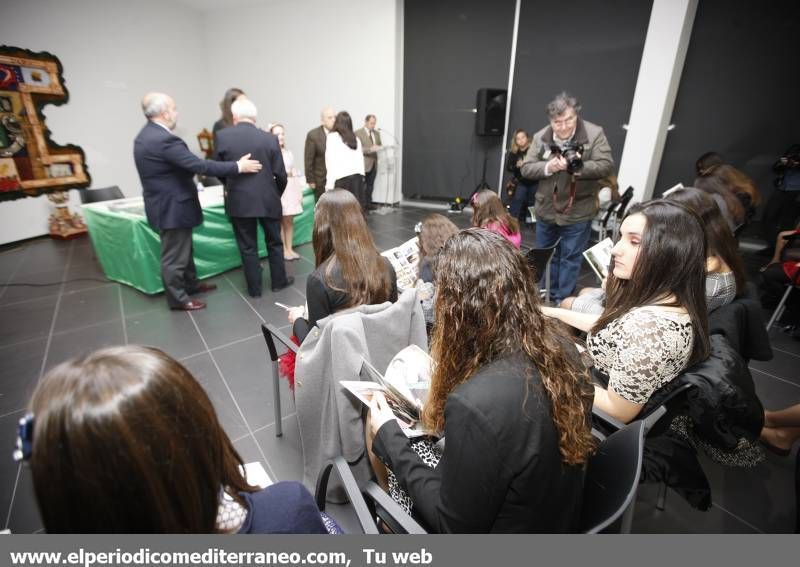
(102, 194)
(612, 480)
(539, 259)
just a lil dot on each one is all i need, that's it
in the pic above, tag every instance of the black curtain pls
(739, 93)
(452, 49)
(590, 49)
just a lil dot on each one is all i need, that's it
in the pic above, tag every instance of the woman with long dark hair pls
(226, 120)
(344, 159)
(125, 440)
(725, 275)
(349, 269)
(489, 212)
(655, 322)
(509, 394)
(522, 189)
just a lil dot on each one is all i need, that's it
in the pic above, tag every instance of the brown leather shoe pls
(204, 288)
(191, 305)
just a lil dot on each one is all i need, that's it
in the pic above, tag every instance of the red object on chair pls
(286, 364)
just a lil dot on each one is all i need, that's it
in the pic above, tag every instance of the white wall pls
(112, 51)
(292, 57)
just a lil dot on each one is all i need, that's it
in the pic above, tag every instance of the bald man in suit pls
(166, 168)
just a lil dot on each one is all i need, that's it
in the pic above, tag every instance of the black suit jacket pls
(501, 470)
(257, 195)
(166, 169)
(314, 156)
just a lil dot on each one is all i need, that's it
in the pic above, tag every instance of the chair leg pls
(779, 309)
(662, 497)
(276, 399)
(547, 283)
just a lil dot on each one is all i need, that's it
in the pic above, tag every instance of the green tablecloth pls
(130, 251)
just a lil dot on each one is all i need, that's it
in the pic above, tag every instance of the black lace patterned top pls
(642, 350)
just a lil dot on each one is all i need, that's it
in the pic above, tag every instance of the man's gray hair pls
(154, 104)
(561, 103)
(244, 108)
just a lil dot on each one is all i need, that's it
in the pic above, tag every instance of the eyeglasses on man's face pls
(566, 121)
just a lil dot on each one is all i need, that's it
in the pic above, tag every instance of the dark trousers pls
(178, 271)
(566, 264)
(523, 198)
(369, 179)
(355, 184)
(246, 232)
(319, 190)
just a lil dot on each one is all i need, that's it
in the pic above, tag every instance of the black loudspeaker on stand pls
(491, 112)
(490, 118)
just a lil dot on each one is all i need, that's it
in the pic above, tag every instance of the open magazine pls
(405, 386)
(599, 257)
(404, 260)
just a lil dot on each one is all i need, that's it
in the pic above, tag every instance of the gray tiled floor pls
(222, 346)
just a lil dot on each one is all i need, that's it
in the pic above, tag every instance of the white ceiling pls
(209, 5)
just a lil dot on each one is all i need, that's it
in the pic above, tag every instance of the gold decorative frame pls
(42, 152)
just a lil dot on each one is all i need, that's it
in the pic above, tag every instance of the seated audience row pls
(509, 391)
(725, 276)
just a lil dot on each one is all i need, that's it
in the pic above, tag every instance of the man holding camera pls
(569, 157)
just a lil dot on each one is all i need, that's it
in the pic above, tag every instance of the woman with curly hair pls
(489, 212)
(510, 396)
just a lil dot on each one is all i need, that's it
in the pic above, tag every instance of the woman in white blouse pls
(344, 159)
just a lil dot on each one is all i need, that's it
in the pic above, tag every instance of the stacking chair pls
(612, 481)
(102, 194)
(363, 513)
(540, 259)
(790, 251)
(271, 335)
(609, 492)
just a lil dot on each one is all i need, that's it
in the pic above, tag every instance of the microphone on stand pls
(388, 132)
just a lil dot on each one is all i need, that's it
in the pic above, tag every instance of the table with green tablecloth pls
(130, 251)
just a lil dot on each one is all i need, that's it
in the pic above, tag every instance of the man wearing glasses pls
(569, 157)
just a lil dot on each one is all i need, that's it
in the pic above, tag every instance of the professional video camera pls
(571, 152)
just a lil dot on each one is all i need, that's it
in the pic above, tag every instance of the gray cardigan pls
(329, 418)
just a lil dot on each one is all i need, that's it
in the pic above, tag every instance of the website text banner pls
(392, 551)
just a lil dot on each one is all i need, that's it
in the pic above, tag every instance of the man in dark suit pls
(255, 199)
(314, 154)
(166, 168)
(370, 144)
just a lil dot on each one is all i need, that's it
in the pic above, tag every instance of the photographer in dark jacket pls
(521, 189)
(569, 180)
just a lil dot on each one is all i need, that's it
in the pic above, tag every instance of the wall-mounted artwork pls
(30, 162)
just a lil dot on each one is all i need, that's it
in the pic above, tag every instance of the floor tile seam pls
(272, 423)
(794, 354)
(10, 413)
(55, 312)
(774, 376)
(14, 272)
(240, 294)
(230, 393)
(88, 326)
(739, 518)
(122, 314)
(18, 343)
(13, 496)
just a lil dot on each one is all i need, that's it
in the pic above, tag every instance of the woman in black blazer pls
(510, 396)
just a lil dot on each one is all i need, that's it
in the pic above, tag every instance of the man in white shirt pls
(370, 143)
